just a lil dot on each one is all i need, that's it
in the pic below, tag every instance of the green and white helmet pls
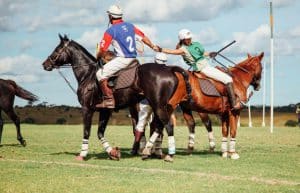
(115, 11)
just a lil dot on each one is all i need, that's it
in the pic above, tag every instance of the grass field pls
(268, 163)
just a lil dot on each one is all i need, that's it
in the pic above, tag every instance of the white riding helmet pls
(115, 11)
(161, 58)
(184, 34)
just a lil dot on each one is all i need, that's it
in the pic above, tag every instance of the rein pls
(52, 61)
(68, 82)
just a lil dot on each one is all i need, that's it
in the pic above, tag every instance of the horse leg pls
(225, 124)
(156, 150)
(1, 126)
(189, 119)
(133, 110)
(113, 153)
(207, 123)
(164, 121)
(233, 118)
(12, 115)
(158, 130)
(87, 122)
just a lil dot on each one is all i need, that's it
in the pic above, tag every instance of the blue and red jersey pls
(122, 36)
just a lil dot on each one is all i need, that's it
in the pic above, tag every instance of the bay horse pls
(8, 90)
(154, 82)
(244, 74)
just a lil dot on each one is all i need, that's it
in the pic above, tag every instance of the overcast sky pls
(29, 33)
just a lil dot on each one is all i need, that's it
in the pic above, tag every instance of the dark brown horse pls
(152, 82)
(8, 90)
(244, 74)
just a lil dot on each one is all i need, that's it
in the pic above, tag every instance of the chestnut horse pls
(8, 90)
(244, 74)
(156, 83)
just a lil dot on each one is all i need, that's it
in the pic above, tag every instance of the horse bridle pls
(58, 55)
(254, 79)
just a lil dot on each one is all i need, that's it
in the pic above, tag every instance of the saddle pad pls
(208, 88)
(125, 78)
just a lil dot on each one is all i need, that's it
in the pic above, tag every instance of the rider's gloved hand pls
(213, 54)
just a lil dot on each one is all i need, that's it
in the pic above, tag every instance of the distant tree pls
(291, 123)
(29, 120)
(61, 121)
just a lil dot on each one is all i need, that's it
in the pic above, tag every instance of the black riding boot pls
(231, 96)
(108, 97)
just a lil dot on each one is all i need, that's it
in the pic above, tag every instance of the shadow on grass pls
(183, 152)
(125, 154)
(11, 145)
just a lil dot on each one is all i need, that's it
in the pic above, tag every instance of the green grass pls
(268, 163)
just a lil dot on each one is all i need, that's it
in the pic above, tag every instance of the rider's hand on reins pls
(213, 54)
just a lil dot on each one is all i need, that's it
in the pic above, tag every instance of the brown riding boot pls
(108, 97)
(232, 99)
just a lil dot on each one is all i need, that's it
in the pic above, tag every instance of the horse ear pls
(60, 37)
(248, 55)
(66, 37)
(261, 55)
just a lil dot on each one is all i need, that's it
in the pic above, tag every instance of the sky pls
(29, 33)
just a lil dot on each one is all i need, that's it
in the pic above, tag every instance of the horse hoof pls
(168, 158)
(146, 152)
(23, 143)
(224, 154)
(212, 146)
(115, 154)
(79, 158)
(145, 157)
(234, 156)
(190, 149)
(134, 152)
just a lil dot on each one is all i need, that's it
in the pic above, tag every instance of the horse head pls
(60, 55)
(257, 70)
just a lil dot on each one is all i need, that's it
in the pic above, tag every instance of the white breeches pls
(113, 67)
(144, 116)
(216, 74)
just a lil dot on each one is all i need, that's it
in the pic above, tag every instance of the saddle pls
(210, 87)
(125, 77)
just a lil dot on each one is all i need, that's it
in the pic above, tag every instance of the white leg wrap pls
(211, 136)
(152, 140)
(84, 147)
(171, 143)
(224, 145)
(232, 145)
(191, 139)
(144, 116)
(157, 146)
(105, 145)
(143, 142)
(211, 141)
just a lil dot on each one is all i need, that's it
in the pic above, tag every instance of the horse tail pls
(22, 93)
(186, 80)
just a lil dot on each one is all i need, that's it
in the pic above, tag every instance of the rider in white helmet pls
(161, 58)
(122, 36)
(193, 54)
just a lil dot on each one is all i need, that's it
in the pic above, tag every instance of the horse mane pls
(244, 64)
(84, 50)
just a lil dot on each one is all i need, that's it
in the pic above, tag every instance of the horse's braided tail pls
(186, 79)
(22, 93)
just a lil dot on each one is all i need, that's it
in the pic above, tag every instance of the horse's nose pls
(47, 66)
(257, 87)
